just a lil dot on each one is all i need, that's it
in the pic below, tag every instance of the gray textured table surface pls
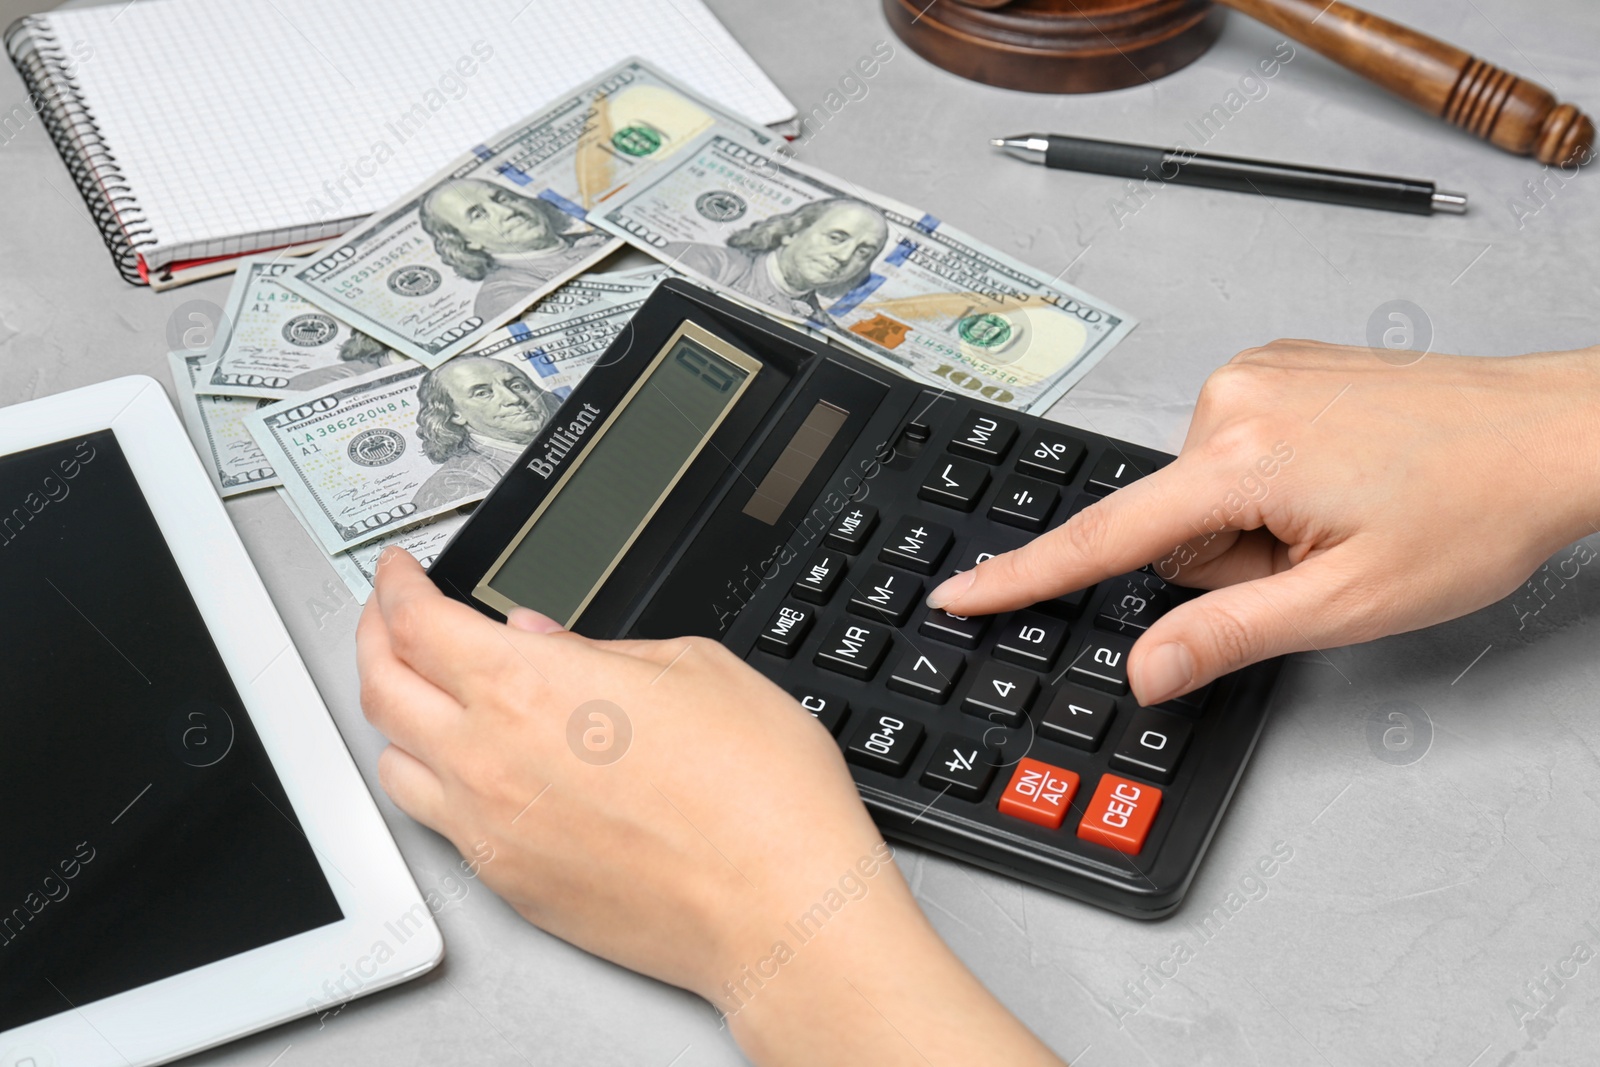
(1432, 911)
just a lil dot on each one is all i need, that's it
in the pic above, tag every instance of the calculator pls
(721, 474)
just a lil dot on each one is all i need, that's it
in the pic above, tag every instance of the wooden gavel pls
(1076, 46)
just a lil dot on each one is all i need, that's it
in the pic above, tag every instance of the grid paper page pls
(232, 122)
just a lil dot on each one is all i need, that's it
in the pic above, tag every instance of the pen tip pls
(998, 142)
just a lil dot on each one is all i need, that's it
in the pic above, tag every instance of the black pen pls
(1182, 167)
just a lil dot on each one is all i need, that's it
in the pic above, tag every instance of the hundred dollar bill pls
(589, 289)
(359, 566)
(507, 222)
(882, 277)
(216, 426)
(366, 457)
(271, 343)
(646, 277)
(561, 350)
(580, 292)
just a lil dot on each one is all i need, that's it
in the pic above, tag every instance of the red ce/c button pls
(1120, 814)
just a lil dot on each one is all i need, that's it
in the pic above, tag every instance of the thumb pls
(1232, 627)
(533, 622)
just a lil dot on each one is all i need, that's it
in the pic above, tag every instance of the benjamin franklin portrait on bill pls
(475, 417)
(513, 244)
(790, 262)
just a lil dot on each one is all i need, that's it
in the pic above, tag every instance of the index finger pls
(1134, 526)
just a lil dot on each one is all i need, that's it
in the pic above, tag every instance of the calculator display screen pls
(571, 543)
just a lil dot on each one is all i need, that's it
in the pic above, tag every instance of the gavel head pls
(1087, 46)
(1057, 46)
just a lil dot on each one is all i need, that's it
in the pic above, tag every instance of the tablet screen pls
(143, 831)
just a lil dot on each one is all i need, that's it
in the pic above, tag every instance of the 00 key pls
(884, 742)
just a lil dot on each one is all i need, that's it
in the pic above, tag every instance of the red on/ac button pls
(1039, 793)
(1120, 814)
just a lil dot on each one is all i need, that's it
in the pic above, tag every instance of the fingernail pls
(530, 621)
(952, 588)
(1163, 673)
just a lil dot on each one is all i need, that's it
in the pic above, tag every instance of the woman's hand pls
(1329, 497)
(663, 805)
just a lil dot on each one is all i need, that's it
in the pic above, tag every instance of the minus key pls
(1115, 471)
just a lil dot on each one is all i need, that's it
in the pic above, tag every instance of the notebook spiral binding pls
(58, 100)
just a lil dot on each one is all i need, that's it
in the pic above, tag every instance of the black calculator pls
(721, 474)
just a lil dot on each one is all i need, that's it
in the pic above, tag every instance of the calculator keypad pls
(1078, 717)
(1029, 708)
(976, 553)
(1152, 745)
(1134, 603)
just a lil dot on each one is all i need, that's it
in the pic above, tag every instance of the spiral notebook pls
(203, 130)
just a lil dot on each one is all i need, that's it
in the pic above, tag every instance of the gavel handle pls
(1490, 103)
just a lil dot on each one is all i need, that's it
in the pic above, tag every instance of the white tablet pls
(187, 853)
